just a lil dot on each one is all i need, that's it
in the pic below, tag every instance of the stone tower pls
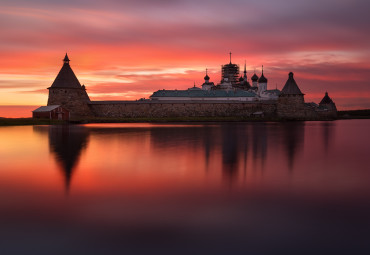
(67, 91)
(328, 104)
(290, 104)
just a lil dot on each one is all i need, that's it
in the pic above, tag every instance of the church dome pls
(262, 79)
(254, 77)
(206, 78)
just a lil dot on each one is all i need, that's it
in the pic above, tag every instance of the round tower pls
(67, 91)
(329, 106)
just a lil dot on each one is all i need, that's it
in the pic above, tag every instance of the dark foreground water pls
(230, 188)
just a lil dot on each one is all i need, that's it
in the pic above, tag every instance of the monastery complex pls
(234, 95)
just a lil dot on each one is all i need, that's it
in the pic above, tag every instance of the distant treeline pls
(354, 114)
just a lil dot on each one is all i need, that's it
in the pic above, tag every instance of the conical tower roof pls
(291, 87)
(326, 99)
(66, 77)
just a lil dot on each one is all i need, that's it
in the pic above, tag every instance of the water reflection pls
(293, 135)
(228, 188)
(230, 153)
(259, 134)
(239, 148)
(66, 142)
(328, 129)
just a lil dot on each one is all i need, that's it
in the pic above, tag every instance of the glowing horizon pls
(126, 51)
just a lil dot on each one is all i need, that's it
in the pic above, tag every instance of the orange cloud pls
(125, 51)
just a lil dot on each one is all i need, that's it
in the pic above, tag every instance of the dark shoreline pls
(353, 114)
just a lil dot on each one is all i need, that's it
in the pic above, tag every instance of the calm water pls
(231, 188)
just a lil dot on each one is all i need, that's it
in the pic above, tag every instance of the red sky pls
(128, 49)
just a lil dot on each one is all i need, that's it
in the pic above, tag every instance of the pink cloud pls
(111, 43)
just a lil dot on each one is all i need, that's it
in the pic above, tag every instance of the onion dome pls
(291, 87)
(241, 79)
(254, 77)
(326, 99)
(206, 78)
(262, 79)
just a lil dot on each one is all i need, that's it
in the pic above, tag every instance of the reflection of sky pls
(158, 157)
(219, 188)
(127, 49)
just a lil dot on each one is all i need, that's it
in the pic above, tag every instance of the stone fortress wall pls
(292, 109)
(159, 109)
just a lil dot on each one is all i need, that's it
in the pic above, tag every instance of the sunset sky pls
(125, 50)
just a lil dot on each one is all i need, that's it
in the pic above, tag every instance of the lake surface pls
(202, 188)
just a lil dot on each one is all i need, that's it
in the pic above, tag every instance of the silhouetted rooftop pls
(66, 59)
(262, 79)
(66, 77)
(202, 93)
(46, 108)
(291, 87)
(326, 99)
(254, 77)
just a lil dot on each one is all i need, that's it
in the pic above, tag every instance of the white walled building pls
(207, 85)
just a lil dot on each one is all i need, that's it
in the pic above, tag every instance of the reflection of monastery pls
(235, 149)
(233, 96)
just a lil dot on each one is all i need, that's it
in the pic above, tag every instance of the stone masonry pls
(73, 99)
(153, 109)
